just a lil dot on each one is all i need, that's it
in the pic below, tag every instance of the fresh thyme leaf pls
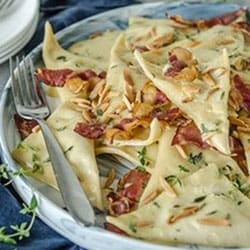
(248, 140)
(183, 168)
(132, 228)
(222, 95)
(200, 199)
(99, 112)
(141, 168)
(212, 212)
(22, 230)
(4, 172)
(61, 128)
(156, 204)
(195, 159)
(142, 156)
(62, 58)
(205, 130)
(173, 179)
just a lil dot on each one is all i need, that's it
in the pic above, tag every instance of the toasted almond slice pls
(161, 41)
(191, 89)
(219, 72)
(110, 178)
(83, 105)
(104, 106)
(144, 224)
(245, 120)
(127, 103)
(214, 221)
(212, 91)
(187, 99)
(194, 43)
(207, 78)
(103, 94)
(243, 129)
(96, 89)
(236, 121)
(78, 101)
(128, 85)
(86, 116)
(188, 211)
(150, 197)
(167, 188)
(138, 97)
(181, 151)
(36, 129)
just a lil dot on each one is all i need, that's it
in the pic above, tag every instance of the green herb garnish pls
(173, 179)
(222, 95)
(156, 204)
(183, 168)
(200, 199)
(62, 58)
(132, 228)
(22, 230)
(195, 159)
(99, 112)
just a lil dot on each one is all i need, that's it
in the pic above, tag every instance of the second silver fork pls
(31, 104)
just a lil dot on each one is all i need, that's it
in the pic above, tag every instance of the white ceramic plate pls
(50, 204)
(24, 12)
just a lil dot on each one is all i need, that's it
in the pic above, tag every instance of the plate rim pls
(6, 156)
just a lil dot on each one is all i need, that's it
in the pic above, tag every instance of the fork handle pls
(72, 193)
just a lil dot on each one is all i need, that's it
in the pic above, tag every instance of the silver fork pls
(31, 105)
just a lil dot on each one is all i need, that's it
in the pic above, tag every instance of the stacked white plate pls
(18, 21)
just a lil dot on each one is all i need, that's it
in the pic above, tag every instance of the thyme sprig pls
(22, 230)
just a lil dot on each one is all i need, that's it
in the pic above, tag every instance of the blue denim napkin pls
(60, 13)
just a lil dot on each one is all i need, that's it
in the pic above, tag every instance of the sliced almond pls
(167, 188)
(98, 87)
(236, 121)
(161, 41)
(36, 129)
(110, 178)
(144, 224)
(150, 197)
(86, 116)
(207, 78)
(212, 91)
(185, 212)
(128, 85)
(214, 221)
(181, 151)
(243, 129)
(127, 102)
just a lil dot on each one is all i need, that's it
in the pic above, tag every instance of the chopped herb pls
(176, 205)
(239, 203)
(61, 58)
(68, 149)
(222, 95)
(200, 199)
(99, 112)
(182, 168)
(248, 140)
(4, 172)
(132, 228)
(173, 179)
(205, 130)
(113, 66)
(61, 128)
(141, 168)
(23, 230)
(212, 212)
(142, 156)
(195, 159)
(228, 216)
(156, 204)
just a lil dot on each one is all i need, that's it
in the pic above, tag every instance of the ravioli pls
(78, 150)
(210, 114)
(217, 218)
